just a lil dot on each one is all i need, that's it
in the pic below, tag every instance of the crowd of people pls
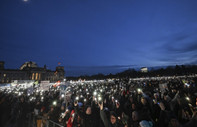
(168, 102)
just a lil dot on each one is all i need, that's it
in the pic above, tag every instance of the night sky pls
(99, 35)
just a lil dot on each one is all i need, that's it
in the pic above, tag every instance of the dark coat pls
(106, 121)
(88, 120)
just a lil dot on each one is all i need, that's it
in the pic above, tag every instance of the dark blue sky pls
(98, 33)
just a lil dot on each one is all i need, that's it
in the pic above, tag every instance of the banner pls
(45, 85)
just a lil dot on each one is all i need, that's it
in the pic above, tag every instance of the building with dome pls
(30, 71)
(29, 64)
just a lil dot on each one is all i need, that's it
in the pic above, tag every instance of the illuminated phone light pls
(95, 93)
(187, 98)
(54, 103)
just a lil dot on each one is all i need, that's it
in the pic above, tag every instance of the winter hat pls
(80, 104)
(112, 113)
(69, 108)
(145, 123)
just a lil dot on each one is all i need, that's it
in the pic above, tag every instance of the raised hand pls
(161, 105)
(117, 104)
(75, 103)
(101, 105)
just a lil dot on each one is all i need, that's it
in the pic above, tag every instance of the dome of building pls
(29, 64)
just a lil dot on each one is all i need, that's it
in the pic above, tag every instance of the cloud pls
(178, 49)
(182, 48)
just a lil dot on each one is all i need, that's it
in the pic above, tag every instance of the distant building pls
(144, 69)
(30, 71)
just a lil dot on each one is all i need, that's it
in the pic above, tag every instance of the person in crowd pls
(109, 122)
(20, 111)
(87, 116)
(160, 102)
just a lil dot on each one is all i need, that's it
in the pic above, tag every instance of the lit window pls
(36, 76)
(33, 76)
(39, 76)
